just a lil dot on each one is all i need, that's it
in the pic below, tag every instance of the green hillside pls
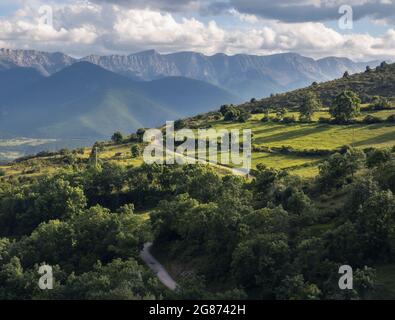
(297, 147)
(300, 147)
(86, 101)
(191, 211)
(320, 195)
(379, 81)
(12, 81)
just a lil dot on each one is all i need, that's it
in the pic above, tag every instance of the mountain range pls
(55, 96)
(84, 100)
(246, 76)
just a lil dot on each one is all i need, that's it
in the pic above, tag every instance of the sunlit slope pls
(375, 82)
(300, 137)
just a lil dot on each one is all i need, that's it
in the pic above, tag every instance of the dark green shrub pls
(324, 120)
(289, 119)
(379, 103)
(378, 157)
(391, 118)
(369, 119)
(244, 117)
(117, 137)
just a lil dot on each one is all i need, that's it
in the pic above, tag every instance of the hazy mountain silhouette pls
(85, 100)
(244, 75)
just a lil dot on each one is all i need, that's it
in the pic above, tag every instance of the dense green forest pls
(269, 237)
(273, 235)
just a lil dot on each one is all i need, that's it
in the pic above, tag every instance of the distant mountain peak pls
(287, 54)
(88, 101)
(85, 65)
(46, 63)
(90, 73)
(151, 52)
(245, 75)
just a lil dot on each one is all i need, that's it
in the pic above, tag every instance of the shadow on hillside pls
(373, 126)
(268, 130)
(292, 134)
(384, 138)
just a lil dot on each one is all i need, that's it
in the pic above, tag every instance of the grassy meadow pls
(307, 136)
(267, 135)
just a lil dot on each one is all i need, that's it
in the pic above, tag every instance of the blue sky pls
(308, 27)
(6, 9)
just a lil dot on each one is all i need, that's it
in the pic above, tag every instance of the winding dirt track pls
(150, 260)
(157, 268)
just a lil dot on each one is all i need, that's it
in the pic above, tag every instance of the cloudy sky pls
(314, 28)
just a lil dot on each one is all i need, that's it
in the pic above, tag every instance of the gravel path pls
(157, 268)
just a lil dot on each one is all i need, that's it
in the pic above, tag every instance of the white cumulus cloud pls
(82, 28)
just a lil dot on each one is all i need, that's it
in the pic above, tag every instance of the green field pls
(307, 136)
(268, 135)
(314, 135)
